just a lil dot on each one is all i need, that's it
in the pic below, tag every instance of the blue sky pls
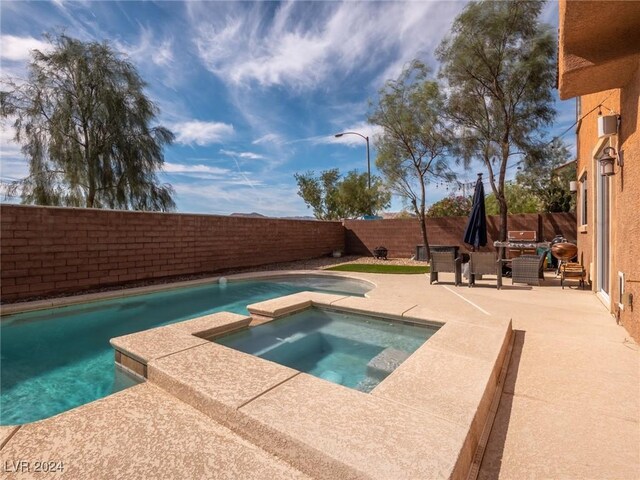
(253, 90)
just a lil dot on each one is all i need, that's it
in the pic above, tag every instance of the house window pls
(583, 200)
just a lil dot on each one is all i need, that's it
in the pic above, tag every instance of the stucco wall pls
(627, 203)
(625, 195)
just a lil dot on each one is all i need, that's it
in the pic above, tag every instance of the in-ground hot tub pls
(424, 420)
(357, 351)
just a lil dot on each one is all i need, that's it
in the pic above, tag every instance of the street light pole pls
(338, 135)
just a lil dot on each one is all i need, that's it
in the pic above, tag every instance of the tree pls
(499, 63)
(415, 138)
(332, 197)
(543, 177)
(451, 206)
(519, 199)
(83, 121)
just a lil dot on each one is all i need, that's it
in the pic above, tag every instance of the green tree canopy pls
(519, 199)
(542, 176)
(499, 63)
(415, 140)
(451, 206)
(84, 123)
(332, 197)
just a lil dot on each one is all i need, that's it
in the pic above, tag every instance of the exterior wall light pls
(607, 162)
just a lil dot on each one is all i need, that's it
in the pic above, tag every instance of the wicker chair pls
(445, 262)
(527, 269)
(482, 263)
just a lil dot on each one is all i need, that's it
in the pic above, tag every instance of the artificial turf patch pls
(376, 268)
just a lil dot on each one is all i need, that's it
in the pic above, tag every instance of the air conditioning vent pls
(607, 126)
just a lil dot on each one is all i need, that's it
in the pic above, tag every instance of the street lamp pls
(338, 135)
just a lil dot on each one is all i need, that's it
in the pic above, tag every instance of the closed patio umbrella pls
(476, 232)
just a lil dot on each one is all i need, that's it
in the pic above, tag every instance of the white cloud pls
(245, 155)
(13, 165)
(202, 133)
(234, 196)
(19, 49)
(13, 169)
(170, 167)
(362, 128)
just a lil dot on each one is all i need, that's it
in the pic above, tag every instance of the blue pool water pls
(356, 351)
(54, 360)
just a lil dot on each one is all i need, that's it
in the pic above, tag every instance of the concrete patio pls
(569, 406)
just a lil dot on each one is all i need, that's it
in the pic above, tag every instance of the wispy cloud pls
(292, 50)
(273, 138)
(244, 155)
(149, 49)
(202, 133)
(325, 58)
(196, 169)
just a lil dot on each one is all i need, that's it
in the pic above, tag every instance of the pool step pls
(385, 362)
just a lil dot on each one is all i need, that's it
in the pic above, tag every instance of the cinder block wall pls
(401, 236)
(48, 250)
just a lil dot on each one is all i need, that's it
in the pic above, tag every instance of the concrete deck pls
(569, 409)
(571, 401)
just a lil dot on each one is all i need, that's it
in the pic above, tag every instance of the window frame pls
(583, 210)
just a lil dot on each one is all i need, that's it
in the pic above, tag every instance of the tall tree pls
(332, 197)
(547, 173)
(415, 138)
(84, 123)
(499, 62)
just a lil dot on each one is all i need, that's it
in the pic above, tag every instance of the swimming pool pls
(356, 351)
(56, 359)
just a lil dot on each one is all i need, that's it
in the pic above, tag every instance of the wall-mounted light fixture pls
(573, 186)
(607, 161)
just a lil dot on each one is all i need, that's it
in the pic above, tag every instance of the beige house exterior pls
(599, 63)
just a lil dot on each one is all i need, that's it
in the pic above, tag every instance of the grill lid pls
(522, 236)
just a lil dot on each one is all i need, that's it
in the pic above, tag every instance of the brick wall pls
(401, 236)
(46, 250)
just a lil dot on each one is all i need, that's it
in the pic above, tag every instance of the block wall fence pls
(47, 250)
(401, 236)
(51, 250)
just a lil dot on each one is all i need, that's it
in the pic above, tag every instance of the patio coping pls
(327, 430)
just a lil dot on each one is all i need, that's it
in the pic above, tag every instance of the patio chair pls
(482, 263)
(445, 262)
(527, 269)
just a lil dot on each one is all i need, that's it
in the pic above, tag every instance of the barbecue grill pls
(521, 242)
